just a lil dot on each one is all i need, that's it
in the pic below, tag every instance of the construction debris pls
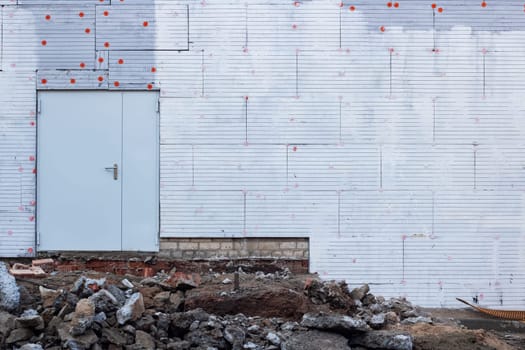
(187, 311)
(9, 293)
(21, 270)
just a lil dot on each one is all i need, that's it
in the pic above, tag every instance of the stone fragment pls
(377, 321)
(419, 319)
(9, 292)
(234, 335)
(19, 334)
(30, 320)
(335, 323)
(384, 340)
(176, 302)
(104, 301)
(83, 341)
(117, 294)
(181, 321)
(161, 299)
(316, 340)
(179, 345)
(182, 281)
(48, 296)
(202, 337)
(31, 347)
(82, 317)
(144, 341)
(273, 338)
(391, 317)
(132, 310)
(7, 323)
(145, 323)
(114, 336)
(360, 292)
(127, 283)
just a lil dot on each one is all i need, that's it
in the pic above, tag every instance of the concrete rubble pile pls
(95, 314)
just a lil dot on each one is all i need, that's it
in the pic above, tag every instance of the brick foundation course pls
(212, 248)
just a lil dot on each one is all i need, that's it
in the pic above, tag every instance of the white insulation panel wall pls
(390, 136)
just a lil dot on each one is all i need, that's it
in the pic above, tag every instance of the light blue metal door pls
(97, 162)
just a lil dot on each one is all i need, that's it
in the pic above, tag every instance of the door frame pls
(157, 159)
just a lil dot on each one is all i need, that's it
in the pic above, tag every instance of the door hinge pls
(38, 238)
(158, 106)
(39, 106)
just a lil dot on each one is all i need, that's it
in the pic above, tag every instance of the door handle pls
(113, 168)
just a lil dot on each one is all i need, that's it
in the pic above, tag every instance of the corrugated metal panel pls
(290, 213)
(340, 72)
(500, 167)
(202, 214)
(203, 120)
(238, 167)
(177, 74)
(37, 37)
(380, 119)
(238, 73)
(478, 120)
(427, 167)
(293, 120)
(142, 27)
(230, 34)
(17, 161)
(334, 167)
(72, 79)
(177, 168)
(310, 25)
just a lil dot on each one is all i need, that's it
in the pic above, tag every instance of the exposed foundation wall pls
(234, 248)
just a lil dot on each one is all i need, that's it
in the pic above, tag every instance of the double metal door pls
(97, 181)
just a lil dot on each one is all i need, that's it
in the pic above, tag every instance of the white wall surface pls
(392, 137)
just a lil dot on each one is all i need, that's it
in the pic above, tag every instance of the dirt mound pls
(445, 337)
(277, 302)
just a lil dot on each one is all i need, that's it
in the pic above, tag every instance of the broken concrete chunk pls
(7, 323)
(143, 341)
(30, 320)
(9, 292)
(21, 270)
(316, 340)
(161, 299)
(117, 294)
(19, 334)
(48, 296)
(83, 341)
(385, 340)
(127, 283)
(335, 323)
(104, 301)
(234, 335)
(132, 310)
(360, 292)
(182, 281)
(273, 338)
(114, 336)
(82, 317)
(377, 321)
(31, 347)
(419, 319)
